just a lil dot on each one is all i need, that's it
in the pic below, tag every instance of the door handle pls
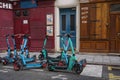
(118, 34)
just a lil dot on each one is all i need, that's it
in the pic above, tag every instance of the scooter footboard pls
(83, 62)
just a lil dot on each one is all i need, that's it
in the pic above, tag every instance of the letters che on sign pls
(5, 5)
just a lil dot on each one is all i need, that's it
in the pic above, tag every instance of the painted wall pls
(66, 4)
(36, 25)
(6, 26)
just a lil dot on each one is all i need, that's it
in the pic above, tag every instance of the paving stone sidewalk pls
(99, 59)
(91, 58)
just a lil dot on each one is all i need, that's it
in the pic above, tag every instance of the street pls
(114, 73)
(91, 72)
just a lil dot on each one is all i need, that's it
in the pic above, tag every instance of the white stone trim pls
(66, 4)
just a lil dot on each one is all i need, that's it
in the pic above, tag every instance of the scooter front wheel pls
(5, 61)
(17, 66)
(11, 55)
(35, 58)
(40, 57)
(50, 67)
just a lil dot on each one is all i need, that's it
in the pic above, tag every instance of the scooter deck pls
(33, 65)
(60, 67)
(29, 59)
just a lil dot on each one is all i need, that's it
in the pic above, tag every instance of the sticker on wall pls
(25, 21)
(5, 5)
(50, 30)
(49, 19)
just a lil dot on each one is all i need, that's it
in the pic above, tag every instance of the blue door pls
(68, 23)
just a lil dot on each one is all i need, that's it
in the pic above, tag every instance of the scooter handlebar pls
(23, 35)
(69, 35)
(18, 35)
(26, 35)
(46, 36)
(59, 36)
(7, 35)
(65, 35)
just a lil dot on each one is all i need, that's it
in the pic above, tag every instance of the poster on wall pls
(49, 19)
(49, 30)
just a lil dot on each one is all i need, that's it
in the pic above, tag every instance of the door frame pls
(57, 28)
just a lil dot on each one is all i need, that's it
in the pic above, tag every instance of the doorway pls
(115, 33)
(68, 23)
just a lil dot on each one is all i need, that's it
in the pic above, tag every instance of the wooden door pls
(21, 27)
(115, 33)
(94, 27)
(118, 33)
(17, 30)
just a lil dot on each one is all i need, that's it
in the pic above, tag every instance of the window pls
(115, 7)
(17, 13)
(72, 22)
(25, 13)
(63, 22)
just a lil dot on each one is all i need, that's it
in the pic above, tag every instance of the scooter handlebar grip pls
(46, 36)
(26, 36)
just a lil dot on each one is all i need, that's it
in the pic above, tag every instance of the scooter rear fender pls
(83, 62)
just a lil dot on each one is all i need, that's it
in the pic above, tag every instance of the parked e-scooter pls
(24, 50)
(72, 65)
(10, 58)
(63, 57)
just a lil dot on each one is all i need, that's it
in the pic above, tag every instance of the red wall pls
(37, 25)
(6, 26)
